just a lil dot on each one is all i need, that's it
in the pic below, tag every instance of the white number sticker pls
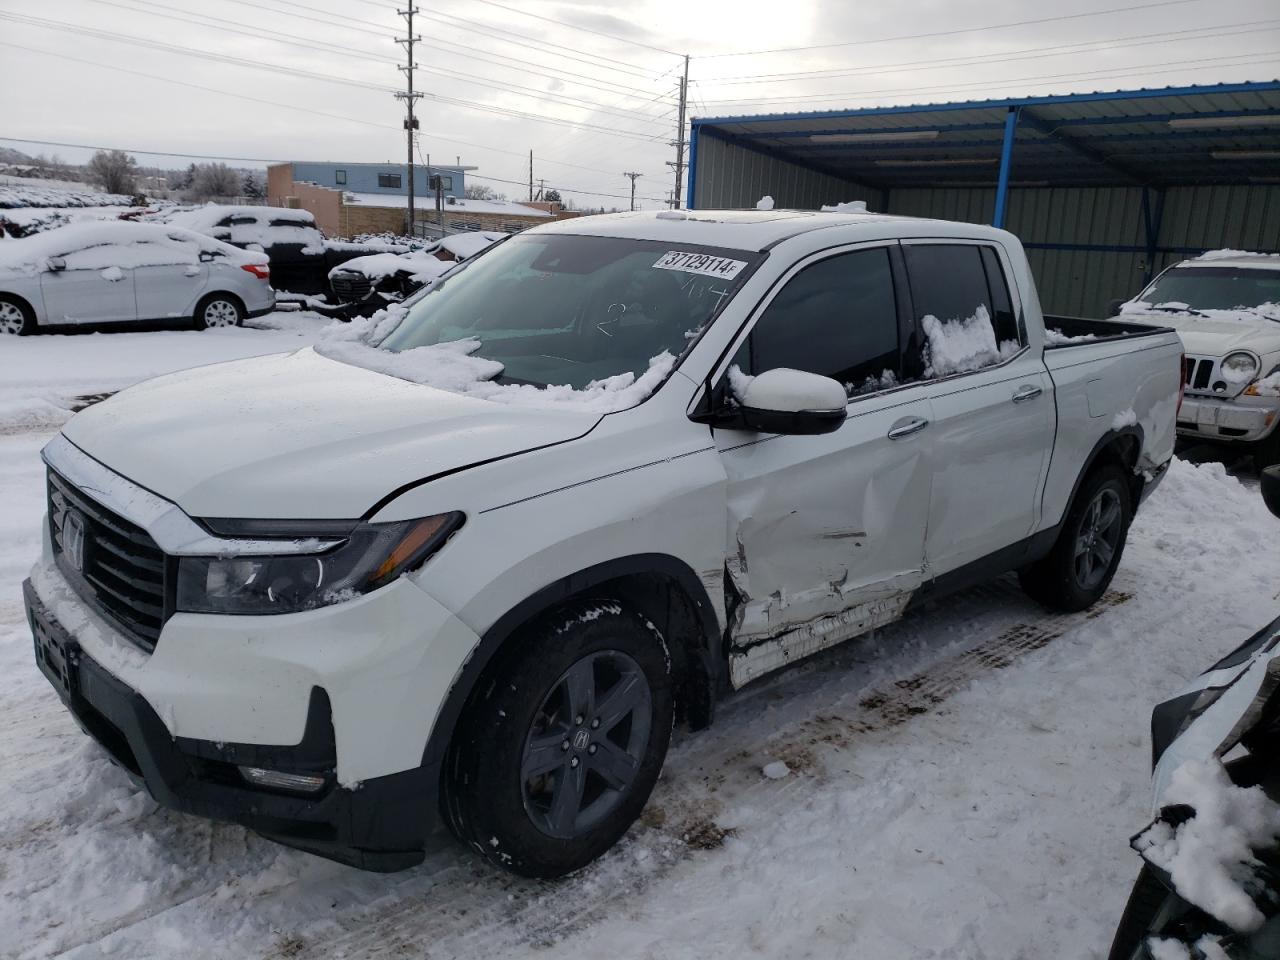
(702, 263)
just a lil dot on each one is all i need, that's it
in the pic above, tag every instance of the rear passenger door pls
(826, 533)
(169, 278)
(992, 400)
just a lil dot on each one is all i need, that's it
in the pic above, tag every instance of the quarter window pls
(837, 318)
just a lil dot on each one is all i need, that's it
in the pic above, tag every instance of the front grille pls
(351, 287)
(119, 568)
(1197, 372)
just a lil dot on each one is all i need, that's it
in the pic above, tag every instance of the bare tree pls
(212, 180)
(478, 191)
(113, 170)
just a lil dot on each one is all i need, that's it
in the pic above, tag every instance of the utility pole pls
(530, 174)
(678, 143)
(409, 96)
(633, 187)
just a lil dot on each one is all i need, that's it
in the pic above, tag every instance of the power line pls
(574, 26)
(1131, 70)
(1148, 39)
(952, 33)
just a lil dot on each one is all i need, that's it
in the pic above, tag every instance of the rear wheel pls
(1079, 568)
(555, 758)
(16, 317)
(218, 310)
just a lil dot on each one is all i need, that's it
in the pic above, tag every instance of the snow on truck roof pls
(754, 229)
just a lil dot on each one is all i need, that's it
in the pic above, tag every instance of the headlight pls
(372, 556)
(1239, 367)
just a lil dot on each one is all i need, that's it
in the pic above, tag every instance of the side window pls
(837, 318)
(962, 303)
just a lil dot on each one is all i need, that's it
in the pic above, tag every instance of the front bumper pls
(382, 824)
(1241, 419)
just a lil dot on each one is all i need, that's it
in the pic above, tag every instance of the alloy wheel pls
(585, 746)
(12, 318)
(1097, 539)
(221, 313)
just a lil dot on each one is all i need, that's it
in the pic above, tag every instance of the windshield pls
(569, 310)
(1215, 288)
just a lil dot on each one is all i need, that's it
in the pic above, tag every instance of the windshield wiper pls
(516, 381)
(1164, 309)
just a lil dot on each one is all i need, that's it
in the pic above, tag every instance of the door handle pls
(905, 428)
(1028, 391)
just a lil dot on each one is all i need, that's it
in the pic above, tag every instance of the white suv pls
(470, 563)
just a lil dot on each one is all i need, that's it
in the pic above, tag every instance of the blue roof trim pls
(1004, 104)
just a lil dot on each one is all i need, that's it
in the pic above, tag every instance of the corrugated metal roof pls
(1215, 134)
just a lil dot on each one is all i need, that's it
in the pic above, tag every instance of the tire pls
(1266, 452)
(537, 781)
(16, 317)
(218, 310)
(1140, 912)
(1079, 568)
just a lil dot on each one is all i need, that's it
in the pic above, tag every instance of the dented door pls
(826, 533)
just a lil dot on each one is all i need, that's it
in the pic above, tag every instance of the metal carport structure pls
(1104, 189)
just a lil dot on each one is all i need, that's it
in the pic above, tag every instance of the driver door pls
(826, 533)
(91, 287)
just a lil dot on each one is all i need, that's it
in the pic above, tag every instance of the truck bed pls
(1078, 331)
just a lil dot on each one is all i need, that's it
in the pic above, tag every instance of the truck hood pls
(1216, 337)
(299, 436)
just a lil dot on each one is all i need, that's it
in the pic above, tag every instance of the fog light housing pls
(282, 780)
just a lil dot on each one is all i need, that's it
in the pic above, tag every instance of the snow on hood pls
(300, 435)
(1214, 333)
(421, 266)
(451, 366)
(118, 244)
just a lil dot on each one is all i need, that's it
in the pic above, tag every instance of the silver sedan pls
(117, 271)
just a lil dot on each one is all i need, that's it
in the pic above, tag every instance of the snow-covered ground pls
(960, 785)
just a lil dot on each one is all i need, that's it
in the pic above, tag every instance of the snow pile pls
(451, 366)
(776, 770)
(1269, 386)
(1210, 856)
(886, 381)
(1125, 418)
(764, 203)
(13, 196)
(851, 206)
(119, 243)
(961, 346)
(1054, 337)
(1237, 255)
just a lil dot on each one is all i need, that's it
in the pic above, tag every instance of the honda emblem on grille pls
(73, 538)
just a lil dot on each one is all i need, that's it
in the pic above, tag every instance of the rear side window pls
(961, 300)
(837, 318)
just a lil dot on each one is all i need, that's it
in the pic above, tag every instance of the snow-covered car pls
(1210, 883)
(465, 562)
(115, 271)
(301, 257)
(367, 284)
(1226, 307)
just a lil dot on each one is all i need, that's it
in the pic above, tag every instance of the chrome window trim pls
(172, 529)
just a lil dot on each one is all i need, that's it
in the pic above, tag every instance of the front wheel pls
(1079, 568)
(16, 318)
(559, 752)
(218, 310)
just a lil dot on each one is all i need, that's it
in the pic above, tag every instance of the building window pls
(389, 180)
(446, 182)
(340, 176)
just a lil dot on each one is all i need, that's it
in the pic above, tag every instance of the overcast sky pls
(606, 103)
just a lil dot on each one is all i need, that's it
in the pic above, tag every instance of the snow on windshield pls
(961, 346)
(552, 320)
(119, 244)
(1241, 314)
(1210, 856)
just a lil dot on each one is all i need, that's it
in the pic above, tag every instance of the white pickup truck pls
(1226, 307)
(470, 563)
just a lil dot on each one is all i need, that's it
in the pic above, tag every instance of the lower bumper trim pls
(383, 824)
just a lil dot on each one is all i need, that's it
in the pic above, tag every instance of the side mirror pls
(793, 402)
(1113, 308)
(206, 256)
(1270, 483)
(56, 264)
